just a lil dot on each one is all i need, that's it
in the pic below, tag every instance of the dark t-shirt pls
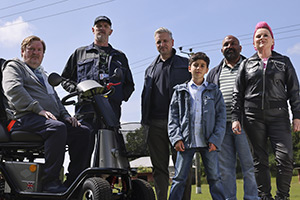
(160, 92)
(103, 62)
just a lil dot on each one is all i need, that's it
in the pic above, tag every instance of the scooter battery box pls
(26, 175)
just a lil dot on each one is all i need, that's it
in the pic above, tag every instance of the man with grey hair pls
(166, 71)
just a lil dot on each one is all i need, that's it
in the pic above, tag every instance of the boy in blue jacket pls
(197, 122)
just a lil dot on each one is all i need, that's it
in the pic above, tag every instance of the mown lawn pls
(205, 195)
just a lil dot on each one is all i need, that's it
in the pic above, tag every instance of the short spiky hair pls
(199, 56)
(28, 41)
(163, 30)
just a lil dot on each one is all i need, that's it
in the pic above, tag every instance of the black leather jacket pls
(266, 88)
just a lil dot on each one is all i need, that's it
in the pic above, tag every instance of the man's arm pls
(70, 72)
(13, 87)
(128, 84)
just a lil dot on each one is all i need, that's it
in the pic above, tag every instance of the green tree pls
(136, 143)
(296, 148)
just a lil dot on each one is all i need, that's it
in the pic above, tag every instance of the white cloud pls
(294, 50)
(12, 33)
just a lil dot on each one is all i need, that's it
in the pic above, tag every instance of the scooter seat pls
(19, 136)
(17, 145)
(25, 136)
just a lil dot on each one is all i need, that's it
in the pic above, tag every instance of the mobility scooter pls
(110, 176)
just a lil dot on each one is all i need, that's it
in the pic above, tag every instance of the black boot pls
(267, 197)
(278, 197)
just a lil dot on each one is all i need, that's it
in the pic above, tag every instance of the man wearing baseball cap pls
(102, 18)
(98, 61)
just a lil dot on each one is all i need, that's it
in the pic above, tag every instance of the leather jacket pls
(266, 88)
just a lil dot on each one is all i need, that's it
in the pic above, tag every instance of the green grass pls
(205, 195)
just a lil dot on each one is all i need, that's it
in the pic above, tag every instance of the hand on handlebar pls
(47, 114)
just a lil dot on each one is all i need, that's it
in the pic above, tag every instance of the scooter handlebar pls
(72, 102)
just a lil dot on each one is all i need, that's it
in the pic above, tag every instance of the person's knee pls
(58, 130)
(81, 133)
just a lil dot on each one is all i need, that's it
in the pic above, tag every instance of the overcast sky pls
(198, 24)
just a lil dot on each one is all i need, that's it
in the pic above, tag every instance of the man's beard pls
(101, 38)
(231, 54)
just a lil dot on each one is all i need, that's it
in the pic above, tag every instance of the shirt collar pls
(39, 68)
(194, 86)
(235, 66)
(168, 60)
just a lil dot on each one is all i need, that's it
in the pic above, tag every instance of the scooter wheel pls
(95, 188)
(142, 190)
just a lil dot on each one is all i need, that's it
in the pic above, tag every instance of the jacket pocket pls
(280, 66)
(85, 70)
(207, 99)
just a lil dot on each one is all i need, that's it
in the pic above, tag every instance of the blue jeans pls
(211, 166)
(232, 146)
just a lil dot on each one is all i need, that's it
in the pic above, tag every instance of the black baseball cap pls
(102, 18)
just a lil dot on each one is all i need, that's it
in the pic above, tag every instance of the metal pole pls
(198, 173)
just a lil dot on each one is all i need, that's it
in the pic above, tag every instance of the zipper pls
(264, 87)
(186, 96)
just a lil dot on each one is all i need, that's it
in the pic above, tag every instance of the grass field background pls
(205, 195)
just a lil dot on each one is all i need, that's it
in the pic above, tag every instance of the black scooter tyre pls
(142, 190)
(95, 188)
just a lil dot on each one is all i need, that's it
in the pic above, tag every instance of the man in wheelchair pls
(34, 106)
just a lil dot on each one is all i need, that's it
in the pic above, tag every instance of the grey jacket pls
(213, 121)
(26, 94)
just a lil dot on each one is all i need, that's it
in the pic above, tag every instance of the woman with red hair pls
(265, 83)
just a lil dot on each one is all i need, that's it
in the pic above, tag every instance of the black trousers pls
(273, 125)
(159, 149)
(56, 135)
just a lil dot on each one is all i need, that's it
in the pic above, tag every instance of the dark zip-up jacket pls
(214, 74)
(266, 88)
(178, 73)
(83, 64)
